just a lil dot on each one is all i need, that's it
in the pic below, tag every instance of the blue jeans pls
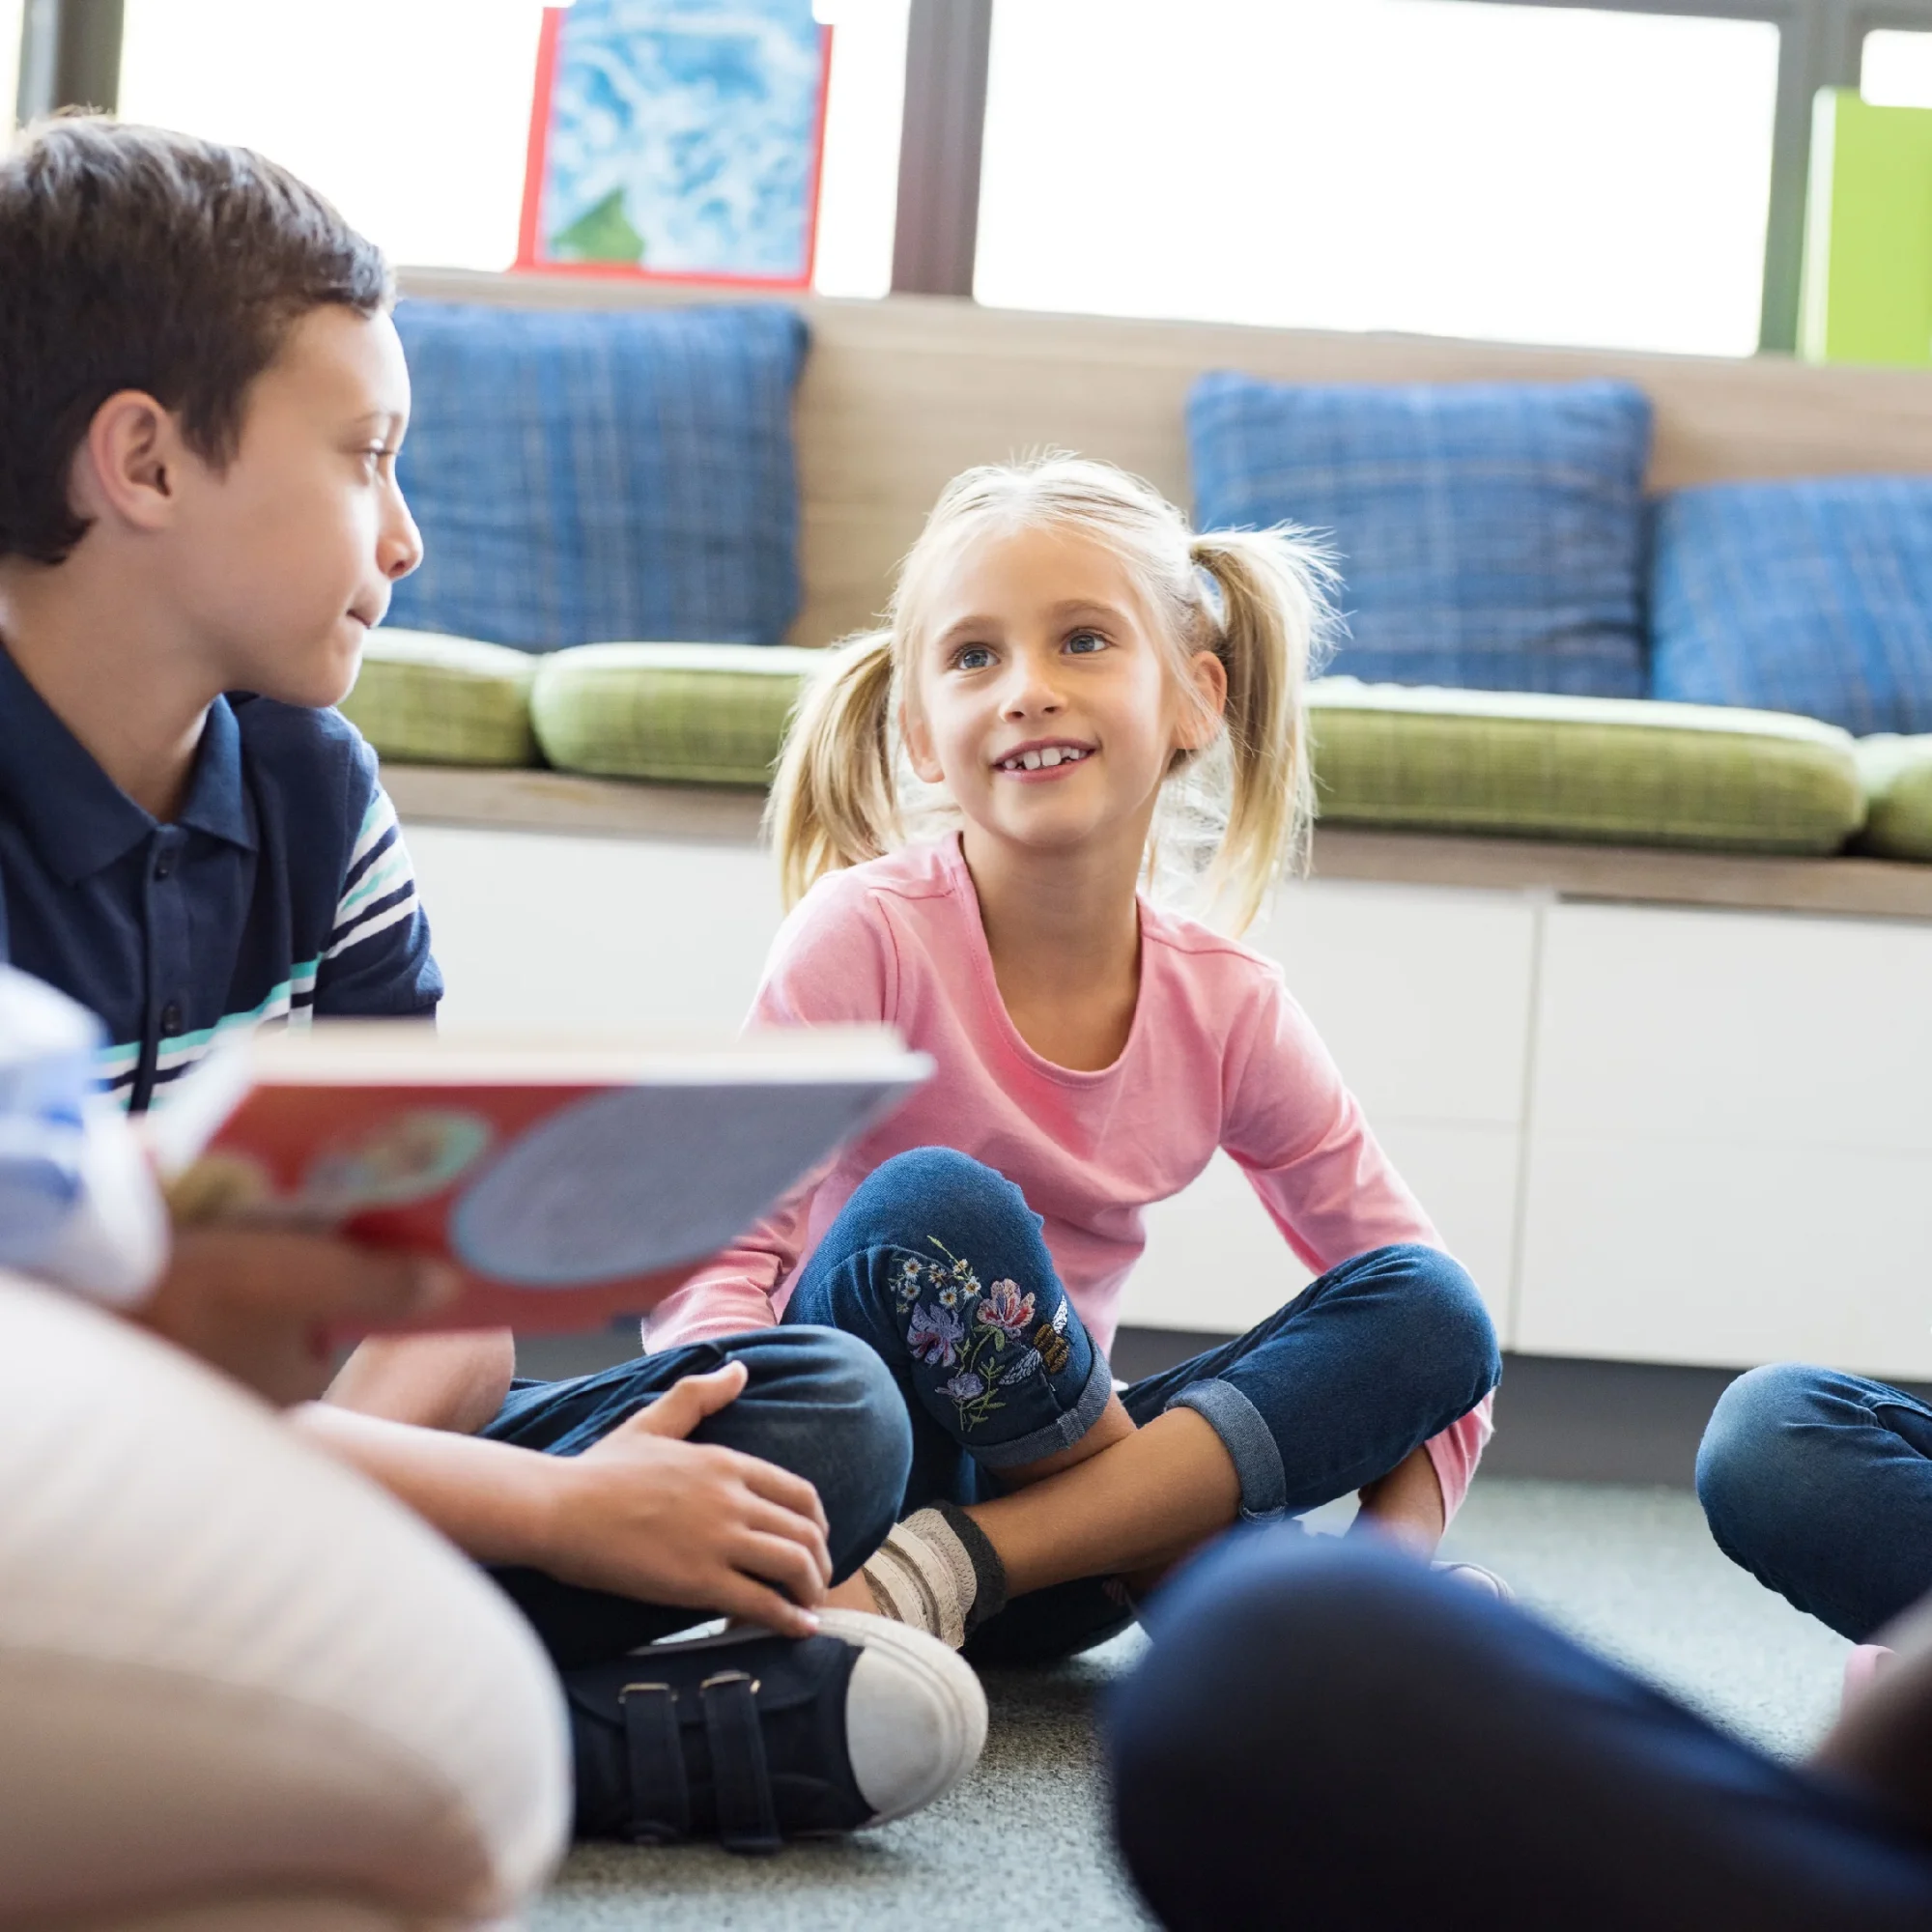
(817, 1404)
(1820, 1485)
(938, 1264)
(1326, 1735)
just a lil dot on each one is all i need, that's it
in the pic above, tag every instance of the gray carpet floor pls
(1631, 1571)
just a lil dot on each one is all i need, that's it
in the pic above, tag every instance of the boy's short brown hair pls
(131, 258)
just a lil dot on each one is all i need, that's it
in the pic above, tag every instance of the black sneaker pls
(751, 1738)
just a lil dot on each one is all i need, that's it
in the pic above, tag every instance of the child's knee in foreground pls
(825, 1407)
(1760, 1470)
(1439, 1338)
(935, 1194)
(927, 1227)
(1463, 1331)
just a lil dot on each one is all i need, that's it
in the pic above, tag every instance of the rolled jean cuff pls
(1063, 1432)
(1248, 1440)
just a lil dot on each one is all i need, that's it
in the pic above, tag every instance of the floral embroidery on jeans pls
(1005, 1309)
(954, 1322)
(933, 1335)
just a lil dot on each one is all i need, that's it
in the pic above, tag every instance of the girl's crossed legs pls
(938, 1263)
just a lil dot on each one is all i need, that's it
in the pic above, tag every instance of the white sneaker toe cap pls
(915, 1714)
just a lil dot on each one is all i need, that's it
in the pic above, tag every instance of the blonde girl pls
(1087, 689)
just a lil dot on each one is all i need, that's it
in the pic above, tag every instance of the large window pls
(1535, 170)
(414, 114)
(412, 119)
(1529, 173)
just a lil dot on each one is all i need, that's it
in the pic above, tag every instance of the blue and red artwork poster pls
(678, 140)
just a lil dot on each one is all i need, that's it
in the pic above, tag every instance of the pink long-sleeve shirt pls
(1218, 1056)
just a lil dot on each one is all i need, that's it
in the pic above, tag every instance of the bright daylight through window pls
(432, 169)
(1896, 69)
(1527, 173)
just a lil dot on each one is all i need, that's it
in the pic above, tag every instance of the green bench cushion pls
(1617, 770)
(432, 700)
(1898, 784)
(695, 714)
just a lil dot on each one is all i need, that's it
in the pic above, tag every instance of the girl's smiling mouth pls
(1043, 757)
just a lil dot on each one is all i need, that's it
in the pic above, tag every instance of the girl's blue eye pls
(1086, 642)
(973, 656)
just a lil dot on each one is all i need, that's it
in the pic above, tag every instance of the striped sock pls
(937, 1572)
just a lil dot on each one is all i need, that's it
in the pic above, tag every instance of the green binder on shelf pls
(1868, 284)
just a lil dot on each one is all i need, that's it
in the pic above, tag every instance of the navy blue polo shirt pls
(282, 890)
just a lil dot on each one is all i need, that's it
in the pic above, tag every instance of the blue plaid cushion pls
(581, 477)
(1812, 596)
(1490, 534)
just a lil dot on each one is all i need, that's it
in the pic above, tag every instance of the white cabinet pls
(1747, 1028)
(1653, 1133)
(1731, 1256)
(1423, 996)
(1730, 1149)
(1215, 1261)
(536, 928)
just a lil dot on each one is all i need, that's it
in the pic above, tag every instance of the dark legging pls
(1329, 1738)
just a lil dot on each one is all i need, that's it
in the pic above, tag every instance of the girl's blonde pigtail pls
(833, 801)
(1274, 619)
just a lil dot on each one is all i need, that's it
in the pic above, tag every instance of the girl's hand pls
(646, 1514)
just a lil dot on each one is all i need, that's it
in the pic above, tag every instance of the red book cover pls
(568, 1183)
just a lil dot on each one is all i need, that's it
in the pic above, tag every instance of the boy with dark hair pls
(202, 397)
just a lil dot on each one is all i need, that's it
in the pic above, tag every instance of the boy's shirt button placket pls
(171, 974)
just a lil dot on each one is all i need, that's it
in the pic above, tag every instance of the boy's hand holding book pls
(263, 1304)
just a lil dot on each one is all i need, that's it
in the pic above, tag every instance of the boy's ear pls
(918, 743)
(1209, 676)
(128, 468)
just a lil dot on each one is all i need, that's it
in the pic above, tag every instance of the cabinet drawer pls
(1686, 1027)
(1420, 994)
(1216, 1260)
(1727, 1255)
